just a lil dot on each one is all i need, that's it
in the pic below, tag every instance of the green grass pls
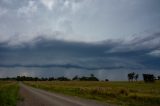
(8, 93)
(121, 93)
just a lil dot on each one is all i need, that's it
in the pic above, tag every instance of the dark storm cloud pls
(139, 43)
(67, 66)
(65, 37)
(79, 55)
(101, 57)
(53, 52)
(139, 49)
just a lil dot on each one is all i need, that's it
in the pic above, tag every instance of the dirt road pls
(36, 97)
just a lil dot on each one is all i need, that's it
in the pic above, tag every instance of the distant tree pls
(75, 78)
(43, 79)
(148, 77)
(63, 79)
(18, 78)
(51, 79)
(83, 78)
(131, 76)
(92, 75)
(158, 77)
(36, 79)
(106, 80)
(91, 78)
(136, 77)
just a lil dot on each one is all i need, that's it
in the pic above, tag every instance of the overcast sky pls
(77, 37)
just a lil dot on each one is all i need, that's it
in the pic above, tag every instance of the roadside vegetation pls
(8, 93)
(125, 93)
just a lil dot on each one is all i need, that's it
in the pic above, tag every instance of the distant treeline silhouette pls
(146, 77)
(149, 77)
(131, 77)
(26, 78)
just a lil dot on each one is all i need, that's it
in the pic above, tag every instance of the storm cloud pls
(107, 56)
(108, 38)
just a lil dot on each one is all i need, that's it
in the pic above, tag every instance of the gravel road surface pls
(36, 97)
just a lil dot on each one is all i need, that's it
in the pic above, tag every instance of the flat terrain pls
(119, 93)
(36, 97)
(8, 93)
(79, 93)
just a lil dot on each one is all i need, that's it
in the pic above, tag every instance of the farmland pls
(8, 93)
(121, 93)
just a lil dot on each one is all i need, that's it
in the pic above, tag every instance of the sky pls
(108, 38)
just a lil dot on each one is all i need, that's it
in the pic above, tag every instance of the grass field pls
(8, 93)
(121, 93)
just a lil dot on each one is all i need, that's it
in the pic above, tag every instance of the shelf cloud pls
(108, 38)
(94, 57)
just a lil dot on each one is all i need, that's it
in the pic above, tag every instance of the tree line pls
(131, 77)
(146, 77)
(62, 78)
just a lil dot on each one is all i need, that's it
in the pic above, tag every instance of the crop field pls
(121, 93)
(8, 93)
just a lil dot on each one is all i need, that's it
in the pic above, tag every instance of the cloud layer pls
(67, 37)
(91, 20)
(140, 55)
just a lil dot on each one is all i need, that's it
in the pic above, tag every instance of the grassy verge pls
(121, 93)
(8, 93)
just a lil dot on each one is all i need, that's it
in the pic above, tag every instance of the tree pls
(63, 79)
(92, 75)
(51, 79)
(83, 78)
(148, 77)
(136, 77)
(131, 76)
(91, 78)
(106, 80)
(18, 78)
(75, 78)
(158, 77)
